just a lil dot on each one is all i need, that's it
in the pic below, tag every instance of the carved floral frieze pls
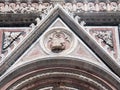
(19, 7)
(24, 8)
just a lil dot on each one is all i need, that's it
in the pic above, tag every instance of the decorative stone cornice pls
(39, 7)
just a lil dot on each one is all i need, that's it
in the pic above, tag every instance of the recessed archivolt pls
(76, 69)
(81, 77)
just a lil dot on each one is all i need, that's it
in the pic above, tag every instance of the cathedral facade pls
(59, 45)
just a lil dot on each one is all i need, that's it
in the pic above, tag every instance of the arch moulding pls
(56, 73)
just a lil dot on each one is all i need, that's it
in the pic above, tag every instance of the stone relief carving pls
(114, 6)
(58, 41)
(102, 6)
(80, 7)
(19, 7)
(106, 38)
(25, 7)
(91, 6)
(9, 38)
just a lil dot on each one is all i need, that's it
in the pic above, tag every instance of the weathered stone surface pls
(56, 67)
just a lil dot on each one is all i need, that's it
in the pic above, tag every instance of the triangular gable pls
(77, 29)
(38, 50)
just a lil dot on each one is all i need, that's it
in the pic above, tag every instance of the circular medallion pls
(58, 41)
